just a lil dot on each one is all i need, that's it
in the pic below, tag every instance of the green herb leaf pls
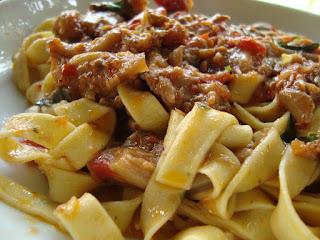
(59, 95)
(228, 68)
(290, 134)
(109, 6)
(115, 6)
(310, 137)
(308, 48)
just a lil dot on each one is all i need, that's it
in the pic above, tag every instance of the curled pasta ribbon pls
(59, 139)
(308, 208)
(82, 111)
(254, 199)
(185, 156)
(246, 117)
(122, 211)
(252, 224)
(13, 151)
(267, 112)
(173, 178)
(144, 108)
(244, 85)
(65, 184)
(155, 212)
(220, 168)
(236, 136)
(45, 25)
(264, 160)
(314, 126)
(201, 233)
(30, 63)
(20, 71)
(85, 218)
(43, 129)
(294, 174)
(27, 201)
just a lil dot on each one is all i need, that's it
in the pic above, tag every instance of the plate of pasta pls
(123, 120)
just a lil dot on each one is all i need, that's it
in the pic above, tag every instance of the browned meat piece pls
(181, 87)
(199, 24)
(68, 26)
(166, 32)
(138, 5)
(95, 24)
(145, 141)
(309, 150)
(88, 72)
(299, 104)
(71, 26)
(133, 163)
(133, 166)
(190, 57)
(175, 5)
(96, 75)
(296, 84)
(296, 75)
(136, 42)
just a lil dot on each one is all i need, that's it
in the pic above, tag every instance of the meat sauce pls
(190, 58)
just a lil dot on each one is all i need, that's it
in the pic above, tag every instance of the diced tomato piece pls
(175, 5)
(252, 46)
(31, 143)
(204, 36)
(100, 168)
(69, 70)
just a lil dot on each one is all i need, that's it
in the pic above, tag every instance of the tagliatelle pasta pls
(155, 212)
(162, 124)
(294, 175)
(85, 218)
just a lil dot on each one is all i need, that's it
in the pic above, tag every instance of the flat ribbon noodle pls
(295, 174)
(201, 233)
(122, 211)
(267, 112)
(220, 168)
(160, 201)
(13, 151)
(308, 208)
(264, 160)
(313, 127)
(253, 199)
(252, 225)
(41, 128)
(246, 117)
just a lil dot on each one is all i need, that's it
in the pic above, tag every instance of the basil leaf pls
(308, 48)
(228, 68)
(56, 97)
(310, 137)
(290, 134)
(109, 6)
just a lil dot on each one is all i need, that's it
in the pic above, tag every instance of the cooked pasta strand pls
(27, 201)
(185, 156)
(85, 218)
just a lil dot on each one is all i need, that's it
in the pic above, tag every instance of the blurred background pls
(312, 6)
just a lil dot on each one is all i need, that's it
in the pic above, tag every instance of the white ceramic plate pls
(17, 19)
